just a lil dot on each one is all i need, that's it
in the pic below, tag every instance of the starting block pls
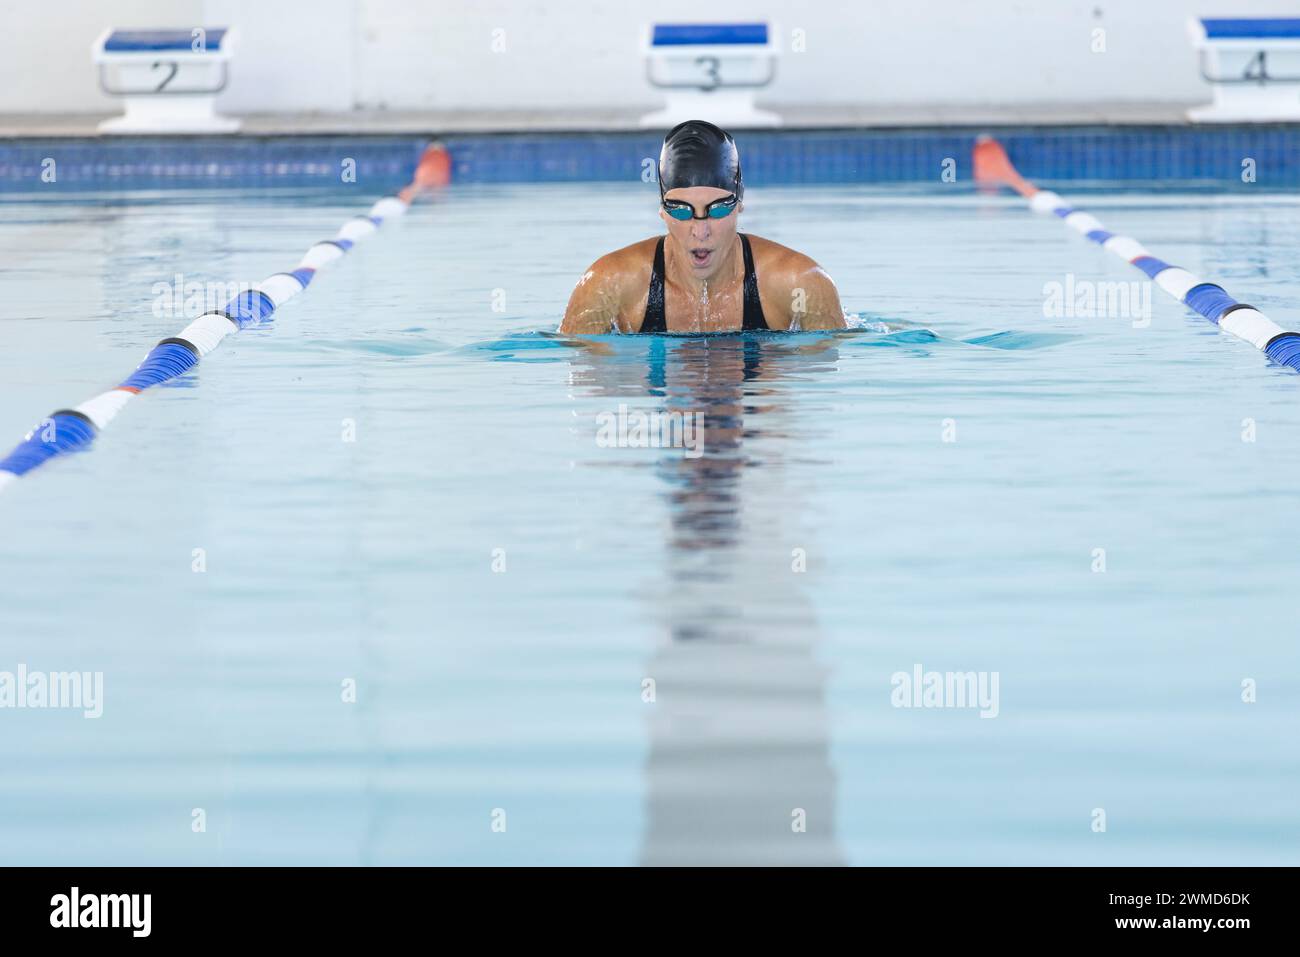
(169, 79)
(710, 72)
(1254, 66)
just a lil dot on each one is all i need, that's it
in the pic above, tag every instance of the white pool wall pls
(337, 56)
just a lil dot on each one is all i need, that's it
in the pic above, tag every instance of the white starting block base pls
(1255, 105)
(168, 79)
(1253, 67)
(724, 108)
(173, 114)
(709, 71)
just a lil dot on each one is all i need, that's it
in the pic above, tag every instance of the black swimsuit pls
(656, 321)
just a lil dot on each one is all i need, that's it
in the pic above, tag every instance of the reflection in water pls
(738, 769)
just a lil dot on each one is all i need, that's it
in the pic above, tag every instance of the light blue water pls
(516, 695)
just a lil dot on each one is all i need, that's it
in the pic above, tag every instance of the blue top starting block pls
(708, 34)
(159, 41)
(1244, 28)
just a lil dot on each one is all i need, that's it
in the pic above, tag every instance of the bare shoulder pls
(796, 291)
(630, 265)
(777, 259)
(606, 293)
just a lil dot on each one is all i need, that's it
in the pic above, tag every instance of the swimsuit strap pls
(753, 318)
(655, 320)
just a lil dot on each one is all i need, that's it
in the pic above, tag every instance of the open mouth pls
(701, 257)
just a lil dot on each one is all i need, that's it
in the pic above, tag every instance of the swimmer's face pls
(702, 241)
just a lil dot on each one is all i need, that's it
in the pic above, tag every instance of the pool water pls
(570, 652)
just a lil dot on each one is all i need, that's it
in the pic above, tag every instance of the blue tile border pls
(160, 163)
(1213, 155)
(1209, 155)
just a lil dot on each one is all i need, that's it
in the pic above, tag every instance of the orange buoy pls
(991, 165)
(433, 171)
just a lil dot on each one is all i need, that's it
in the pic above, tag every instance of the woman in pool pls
(704, 276)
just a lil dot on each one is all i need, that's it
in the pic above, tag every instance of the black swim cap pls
(697, 153)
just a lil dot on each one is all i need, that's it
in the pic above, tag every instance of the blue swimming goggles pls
(718, 209)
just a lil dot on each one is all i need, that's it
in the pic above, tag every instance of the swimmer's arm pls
(596, 301)
(813, 301)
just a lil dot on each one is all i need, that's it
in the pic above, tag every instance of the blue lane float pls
(74, 430)
(1205, 298)
(64, 431)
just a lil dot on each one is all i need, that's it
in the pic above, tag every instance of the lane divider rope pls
(992, 166)
(74, 429)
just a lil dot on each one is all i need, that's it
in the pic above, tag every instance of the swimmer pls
(705, 275)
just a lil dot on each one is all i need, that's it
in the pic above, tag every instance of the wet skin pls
(704, 271)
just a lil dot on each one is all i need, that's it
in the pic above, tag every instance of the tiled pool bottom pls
(499, 587)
